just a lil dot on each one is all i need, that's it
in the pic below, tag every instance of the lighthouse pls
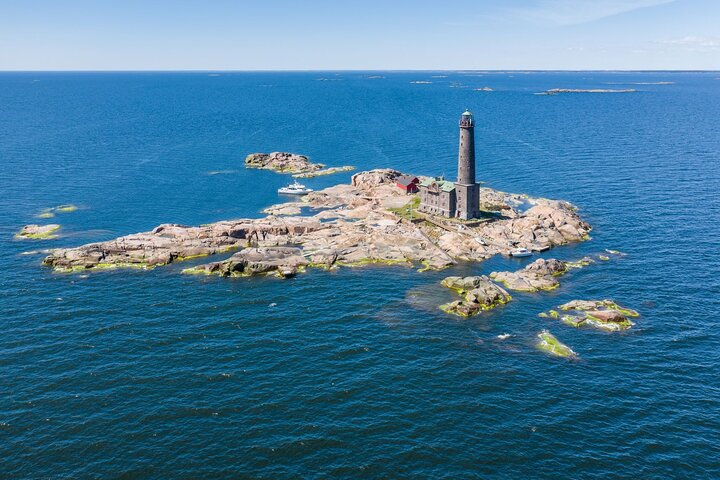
(467, 192)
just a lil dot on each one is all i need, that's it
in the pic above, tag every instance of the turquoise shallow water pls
(356, 373)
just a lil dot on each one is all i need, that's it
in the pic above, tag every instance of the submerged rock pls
(539, 275)
(50, 212)
(602, 314)
(38, 232)
(479, 294)
(65, 208)
(583, 262)
(547, 342)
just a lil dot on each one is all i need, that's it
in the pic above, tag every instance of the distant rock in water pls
(38, 232)
(601, 314)
(556, 91)
(298, 165)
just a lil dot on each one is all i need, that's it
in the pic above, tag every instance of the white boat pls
(295, 188)
(520, 252)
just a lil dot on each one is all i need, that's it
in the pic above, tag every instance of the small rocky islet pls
(601, 314)
(299, 166)
(38, 232)
(478, 292)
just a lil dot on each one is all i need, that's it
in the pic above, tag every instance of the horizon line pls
(312, 70)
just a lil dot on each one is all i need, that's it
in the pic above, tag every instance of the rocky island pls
(601, 314)
(350, 224)
(298, 165)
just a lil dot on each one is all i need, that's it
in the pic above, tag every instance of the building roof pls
(443, 185)
(406, 180)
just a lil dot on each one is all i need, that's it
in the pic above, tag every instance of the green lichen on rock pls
(601, 314)
(604, 258)
(373, 261)
(197, 271)
(583, 262)
(38, 232)
(45, 214)
(480, 294)
(105, 266)
(548, 343)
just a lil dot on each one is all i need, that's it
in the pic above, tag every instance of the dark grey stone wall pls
(437, 203)
(467, 200)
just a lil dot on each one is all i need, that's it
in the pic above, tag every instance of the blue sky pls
(357, 35)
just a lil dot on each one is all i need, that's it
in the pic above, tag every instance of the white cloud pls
(695, 44)
(573, 12)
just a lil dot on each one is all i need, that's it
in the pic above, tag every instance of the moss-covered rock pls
(547, 342)
(38, 232)
(583, 262)
(601, 314)
(479, 294)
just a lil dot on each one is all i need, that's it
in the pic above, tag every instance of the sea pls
(356, 373)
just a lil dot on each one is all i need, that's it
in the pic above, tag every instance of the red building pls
(407, 183)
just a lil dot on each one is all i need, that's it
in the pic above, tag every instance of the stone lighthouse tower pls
(466, 188)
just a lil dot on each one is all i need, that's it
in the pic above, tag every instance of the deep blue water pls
(356, 373)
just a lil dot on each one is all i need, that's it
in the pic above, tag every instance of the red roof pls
(406, 180)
